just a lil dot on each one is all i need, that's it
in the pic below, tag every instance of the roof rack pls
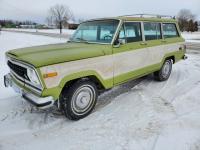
(149, 16)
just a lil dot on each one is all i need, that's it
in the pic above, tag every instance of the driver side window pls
(131, 32)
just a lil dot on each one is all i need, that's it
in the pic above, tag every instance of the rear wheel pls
(79, 99)
(164, 73)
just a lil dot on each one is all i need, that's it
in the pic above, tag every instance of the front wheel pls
(164, 73)
(79, 99)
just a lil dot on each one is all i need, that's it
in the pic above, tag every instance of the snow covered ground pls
(140, 115)
(9, 41)
(57, 31)
(192, 37)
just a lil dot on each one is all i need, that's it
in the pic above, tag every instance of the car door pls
(156, 45)
(171, 37)
(131, 56)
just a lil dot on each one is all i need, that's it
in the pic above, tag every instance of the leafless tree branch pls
(59, 15)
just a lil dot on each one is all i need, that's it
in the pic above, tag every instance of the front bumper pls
(40, 102)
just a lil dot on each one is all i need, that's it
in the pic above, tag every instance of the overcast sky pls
(37, 9)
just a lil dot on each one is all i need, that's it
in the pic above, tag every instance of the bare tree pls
(185, 17)
(190, 26)
(196, 26)
(59, 15)
(185, 14)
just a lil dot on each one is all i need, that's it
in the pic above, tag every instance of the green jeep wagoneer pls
(101, 54)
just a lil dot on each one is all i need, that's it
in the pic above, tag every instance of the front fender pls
(56, 91)
(106, 83)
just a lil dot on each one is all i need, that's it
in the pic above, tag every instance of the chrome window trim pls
(27, 66)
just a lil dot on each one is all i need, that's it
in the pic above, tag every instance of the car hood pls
(45, 55)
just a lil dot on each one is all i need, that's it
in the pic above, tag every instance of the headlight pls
(33, 77)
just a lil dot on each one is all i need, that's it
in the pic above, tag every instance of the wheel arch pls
(86, 75)
(172, 58)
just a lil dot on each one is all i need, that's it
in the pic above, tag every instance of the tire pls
(79, 99)
(164, 73)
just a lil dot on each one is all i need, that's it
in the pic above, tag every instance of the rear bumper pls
(40, 102)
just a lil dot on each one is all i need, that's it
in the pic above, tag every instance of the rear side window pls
(170, 30)
(152, 31)
(131, 31)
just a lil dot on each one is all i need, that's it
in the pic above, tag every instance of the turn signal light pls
(50, 75)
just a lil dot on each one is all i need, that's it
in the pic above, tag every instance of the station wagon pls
(101, 54)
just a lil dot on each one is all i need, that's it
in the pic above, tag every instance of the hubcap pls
(83, 98)
(166, 69)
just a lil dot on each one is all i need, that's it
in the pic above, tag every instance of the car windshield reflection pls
(96, 31)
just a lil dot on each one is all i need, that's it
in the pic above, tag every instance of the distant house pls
(71, 25)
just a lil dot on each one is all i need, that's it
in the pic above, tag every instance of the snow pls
(56, 31)
(191, 37)
(141, 115)
(14, 40)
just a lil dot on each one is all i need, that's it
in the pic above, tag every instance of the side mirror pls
(119, 42)
(122, 41)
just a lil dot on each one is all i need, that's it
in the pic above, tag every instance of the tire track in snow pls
(108, 96)
(155, 141)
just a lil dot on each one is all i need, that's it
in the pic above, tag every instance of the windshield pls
(96, 31)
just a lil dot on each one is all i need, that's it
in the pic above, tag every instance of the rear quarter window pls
(170, 30)
(152, 31)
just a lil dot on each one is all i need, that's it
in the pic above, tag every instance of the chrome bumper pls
(40, 102)
(185, 57)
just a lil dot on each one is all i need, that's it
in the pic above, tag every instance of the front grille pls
(19, 70)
